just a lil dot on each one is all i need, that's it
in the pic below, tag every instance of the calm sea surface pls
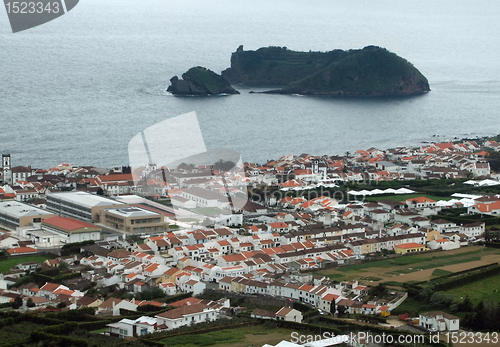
(79, 88)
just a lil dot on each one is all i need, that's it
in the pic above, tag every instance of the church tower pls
(315, 166)
(7, 169)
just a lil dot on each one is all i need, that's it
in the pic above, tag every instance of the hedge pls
(492, 244)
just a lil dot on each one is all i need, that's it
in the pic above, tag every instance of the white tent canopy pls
(379, 191)
(483, 183)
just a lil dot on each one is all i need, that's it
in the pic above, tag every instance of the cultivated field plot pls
(416, 268)
(239, 337)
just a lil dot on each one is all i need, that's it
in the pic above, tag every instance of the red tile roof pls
(69, 224)
(22, 250)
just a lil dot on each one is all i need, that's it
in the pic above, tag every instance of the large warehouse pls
(15, 214)
(80, 205)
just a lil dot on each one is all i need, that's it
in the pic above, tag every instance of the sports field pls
(416, 268)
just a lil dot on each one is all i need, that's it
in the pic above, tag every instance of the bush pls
(441, 299)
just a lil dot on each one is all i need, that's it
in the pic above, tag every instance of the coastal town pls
(124, 240)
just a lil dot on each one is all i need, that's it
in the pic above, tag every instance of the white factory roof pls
(18, 209)
(85, 199)
(132, 212)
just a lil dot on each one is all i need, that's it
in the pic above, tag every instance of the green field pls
(239, 337)
(482, 290)
(451, 261)
(386, 269)
(6, 265)
(208, 211)
(420, 259)
(441, 272)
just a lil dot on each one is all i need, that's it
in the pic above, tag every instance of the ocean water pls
(80, 87)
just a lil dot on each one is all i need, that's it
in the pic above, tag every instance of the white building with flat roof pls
(133, 219)
(79, 205)
(15, 214)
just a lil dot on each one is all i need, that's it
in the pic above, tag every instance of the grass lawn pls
(451, 261)
(6, 265)
(440, 272)
(482, 290)
(240, 337)
(479, 290)
(98, 331)
(208, 211)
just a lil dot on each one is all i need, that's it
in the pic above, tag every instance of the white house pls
(187, 315)
(473, 229)
(114, 305)
(443, 244)
(289, 314)
(439, 321)
(193, 285)
(133, 328)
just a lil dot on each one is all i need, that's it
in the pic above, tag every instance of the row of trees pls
(485, 316)
(492, 235)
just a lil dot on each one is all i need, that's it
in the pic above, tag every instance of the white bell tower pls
(7, 169)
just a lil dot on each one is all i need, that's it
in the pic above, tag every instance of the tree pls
(30, 303)
(379, 291)
(333, 307)
(466, 305)
(18, 302)
(341, 310)
(441, 299)
(478, 320)
(494, 160)
(426, 293)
